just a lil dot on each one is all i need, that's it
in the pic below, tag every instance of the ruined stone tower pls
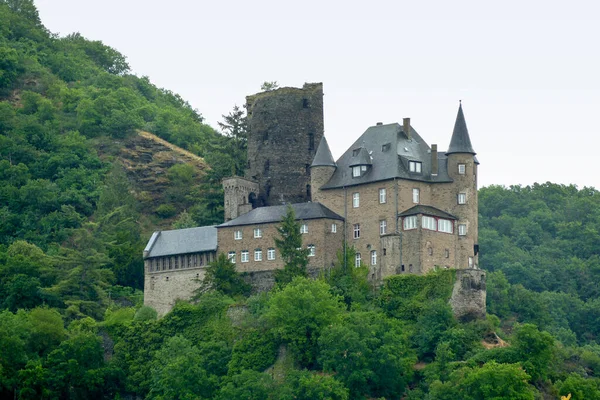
(285, 128)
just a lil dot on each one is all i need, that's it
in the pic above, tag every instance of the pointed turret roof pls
(323, 157)
(460, 142)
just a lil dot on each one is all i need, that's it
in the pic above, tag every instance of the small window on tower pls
(462, 169)
(311, 141)
(304, 103)
(267, 167)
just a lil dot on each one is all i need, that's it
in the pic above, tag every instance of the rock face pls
(468, 294)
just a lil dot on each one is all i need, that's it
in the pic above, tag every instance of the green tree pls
(289, 244)
(348, 281)
(248, 385)
(369, 353)
(267, 86)
(235, 126)
(176, 372)
(299, 312)
(491, 381)
(221, 276)
(304, 385)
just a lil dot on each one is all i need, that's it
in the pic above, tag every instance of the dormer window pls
(355, 152)
(356, 171)
(415, 166)
(385, 147)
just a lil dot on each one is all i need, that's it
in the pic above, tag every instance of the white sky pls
(528, 72)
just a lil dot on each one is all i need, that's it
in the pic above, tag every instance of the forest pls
(73, 224)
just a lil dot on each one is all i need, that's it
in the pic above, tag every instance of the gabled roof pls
(460, 142)
(390, 151)
(427, 210)
(181, 241)
(323, 157)
(360, 156)
(263, 215)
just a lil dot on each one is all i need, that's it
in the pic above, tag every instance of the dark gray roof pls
(360, 156)
(390, 152)
(427, 210)
(181, 241)
(323, 156)
(460, 142)
(263, 215)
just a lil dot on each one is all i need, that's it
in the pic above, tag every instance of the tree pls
(177, 374)
(248, 385)
(222, 277)
(267, 86)
(235, 126)
(491, 381)
(304, 385)
(289, 244)
(348, 281)
(299, 312)
(369, 353)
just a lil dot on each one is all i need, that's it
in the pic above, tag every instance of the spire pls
(460, 142)
(323, 156)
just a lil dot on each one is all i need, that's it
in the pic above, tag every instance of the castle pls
(403, 205)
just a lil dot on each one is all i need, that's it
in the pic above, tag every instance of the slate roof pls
(181, 241)
(390, 151)
(323, 155)
(460, 142)
(360, 156)
(263, 215)
(427, 210)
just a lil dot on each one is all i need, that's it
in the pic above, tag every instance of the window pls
(414, 166)
(462, 198)
(258, 255)
(447, 253)
(384, 251)
(445, 225)
(429, 223)
(355, 200)
(382, 196)
(430, 251)
(382, 227)
(410, 222)
(333, 228)
(373, 257)
(357, 260)
(356, 231)
(311, 141)
(271, 254)
(245, 256)
(462, 229)
(416, 195)
(238, 235)
(257, 232)
(386, 147)
(231, 256)
(356, 171)
(311, 250)
(462, 169)
(471, 262)
(304, 228)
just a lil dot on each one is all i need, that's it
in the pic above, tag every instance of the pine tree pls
(290, 247)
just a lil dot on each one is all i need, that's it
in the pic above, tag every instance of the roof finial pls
(459, 102)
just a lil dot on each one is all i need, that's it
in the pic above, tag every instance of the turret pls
(462, 169)
(321, 169)
(240, 196)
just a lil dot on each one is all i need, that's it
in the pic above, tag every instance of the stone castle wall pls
(285, 128)
(469, 294)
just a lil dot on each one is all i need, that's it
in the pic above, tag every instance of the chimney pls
(434, 160)
(406, 127)
(379, 123)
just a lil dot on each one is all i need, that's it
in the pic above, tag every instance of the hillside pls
(92, 159)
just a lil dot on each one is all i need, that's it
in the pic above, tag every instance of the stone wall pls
(162, 289)
(285, 128)
(468, 294)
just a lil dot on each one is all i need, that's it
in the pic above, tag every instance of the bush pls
(166, 210)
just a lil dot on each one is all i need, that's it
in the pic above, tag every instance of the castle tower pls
(285, 126)
(321, 169)
(462, 168)
(240, 196)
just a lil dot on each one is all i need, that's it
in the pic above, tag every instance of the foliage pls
(289, 244)
(404, 296)
(491, 381)
(221, 276)
(269, 85)
(299, 312)
(369, 353)
(348, 281)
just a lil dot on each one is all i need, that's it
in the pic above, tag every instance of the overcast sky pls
(528, 72)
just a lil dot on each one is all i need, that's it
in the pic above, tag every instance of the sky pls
(527, 72)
